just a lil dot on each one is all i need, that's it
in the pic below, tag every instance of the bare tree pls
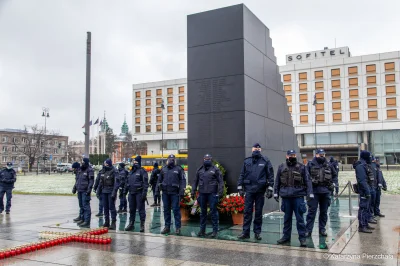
(132, 147)
(111, 146)
(33, 143)
(74, 154)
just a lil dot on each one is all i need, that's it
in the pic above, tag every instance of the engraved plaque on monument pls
(235, 93)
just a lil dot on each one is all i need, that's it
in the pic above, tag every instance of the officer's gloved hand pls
(269, 193)
(276, 197)
(192, 195)
(380, 185)
(113, 196)
(367, 196)
(144, 197)
(241, 193)
(88, 192)
(384, 188)
(74, 190)
(310, 197)
(94, 190)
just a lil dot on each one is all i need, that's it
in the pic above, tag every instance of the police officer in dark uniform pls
(323, 178)
(153, 183)
(374, 186)
(292, 184)
(364, 176)
(256, 180)
(381, 185)
(172, 183)
(123, 173)
(99, 195)
(8, 177)
(211, 187)
(335, 165)
(108, 187)
(83, 185)
(137, 185)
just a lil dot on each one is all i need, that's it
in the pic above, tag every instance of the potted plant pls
(233, 204)
(186, 203)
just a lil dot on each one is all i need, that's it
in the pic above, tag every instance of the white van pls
(64, 167)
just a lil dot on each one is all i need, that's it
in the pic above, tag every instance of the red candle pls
(7, 253)
(13, 253)
(2, 255)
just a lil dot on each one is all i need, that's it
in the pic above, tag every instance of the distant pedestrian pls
(8, 177)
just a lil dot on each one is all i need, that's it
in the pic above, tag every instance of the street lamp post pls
(162, 130)
(315, 122)
(46, 115)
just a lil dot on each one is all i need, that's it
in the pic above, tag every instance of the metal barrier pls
(350, 189)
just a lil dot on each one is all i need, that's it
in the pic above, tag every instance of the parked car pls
(64, 167)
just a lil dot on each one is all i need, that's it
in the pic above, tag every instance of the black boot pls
(166, 230)
(99, 214)
(141, 226)
(214, 234)
(178, 231)
(257, 237)
(370, 227)
(303, 243)
(323, 233)
(130, 226)
(120, 211)
(372, 221)
(80, 222)
(107, 224)
(243, 236)
(202, 233)
(364, 230)
(113, 225)
(85, 225)
(283, 241)
(77, 219)
(381, 215)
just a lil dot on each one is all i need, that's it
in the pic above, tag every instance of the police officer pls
(123, 173)
(172, 183)
(292, 184)
(364, 175)
(335, 165)
(99, 195)
(211, 187)
(323, 178)
(108, 187)
(83, 185)
(374, 186)
(7, 179)
(137, 184)
(256, 179)
(153, 183)
(381, 185)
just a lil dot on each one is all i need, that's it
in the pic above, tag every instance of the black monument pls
(235, 93)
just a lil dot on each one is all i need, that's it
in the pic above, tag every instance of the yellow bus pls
(149, 160)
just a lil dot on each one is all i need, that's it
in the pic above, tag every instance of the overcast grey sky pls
(42, 48)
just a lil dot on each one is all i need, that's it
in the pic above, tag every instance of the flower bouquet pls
(233, 204)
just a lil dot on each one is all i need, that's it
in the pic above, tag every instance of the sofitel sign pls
(327, 53)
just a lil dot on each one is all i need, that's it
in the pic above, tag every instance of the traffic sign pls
(51, 157)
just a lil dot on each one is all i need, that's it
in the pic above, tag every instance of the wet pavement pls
(32, 214)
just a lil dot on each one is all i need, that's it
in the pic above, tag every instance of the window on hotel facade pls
(304, 119)
(148, 120)
(137, 103)
(170, 127)
(170, 91)
(354, 105)
(148, 129)
(137, 129)
(158, 110)
(335, 72)
(137, 94)
(390, 101)
(148, 102)
(302, 86)
(371, 91)
(148, 111)
(137, 111)
(319, 85)
(390, 90)
(389, 66)
(159, 92)
(336, 95)
(372, 103)
(391, 113)
(289, 98)
(353, 70)
(337, 117)
(287, 78)
(319, 74)
(181, 126)
(319, 95)
(158, 118)
(181, 99)
(170, 100)
(148, 93)
(181, 117)
(304, 108)
(353, 82)
(303, 98)
(181, 90)
(354, 116)
(371, 80)
(137, 120)
(159, 100)
(320, 118)
(337, 106)
(158, 128)
(389, 78)
(181, 108)
(371, 68)
(287, 88)
(319, 107)
(353, 93)
(170, 109)
(372, 115)
(335, 83)
(303, 76)
(290, 108)
(170, 118)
